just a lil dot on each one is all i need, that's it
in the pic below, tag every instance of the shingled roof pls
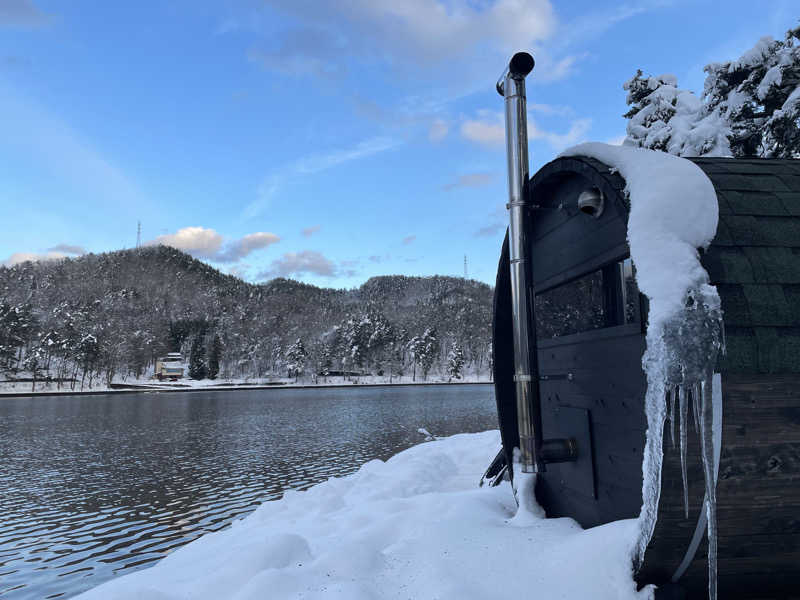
(754, 261)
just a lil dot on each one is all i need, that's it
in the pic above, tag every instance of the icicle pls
(707, 454)
(695, 408)
(684, 408)
(672, 398)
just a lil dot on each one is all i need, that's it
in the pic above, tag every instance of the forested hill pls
(111, 315)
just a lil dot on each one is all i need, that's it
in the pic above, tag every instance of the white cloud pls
(420, 33)
(469, 180)
(559, 141)
(309, 231)
(549, 69)
(21, 257)
(201, 242)
(68, 249)
(438, 130)
(299, 263)
(244, 246)
(197, 241)
(312, 164)
(489, 130)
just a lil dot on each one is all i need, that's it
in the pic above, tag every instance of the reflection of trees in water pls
(112, 483)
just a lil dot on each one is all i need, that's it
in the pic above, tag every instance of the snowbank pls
(416, 526)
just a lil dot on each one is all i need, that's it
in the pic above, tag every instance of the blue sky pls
(324, 141)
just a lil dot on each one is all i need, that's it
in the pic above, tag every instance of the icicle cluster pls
(674, 211)
(679, 363)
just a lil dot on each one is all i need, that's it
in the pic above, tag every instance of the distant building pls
(169, 367)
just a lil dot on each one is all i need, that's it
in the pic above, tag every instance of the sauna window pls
(607, 297)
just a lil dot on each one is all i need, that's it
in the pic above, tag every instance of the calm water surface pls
(92, 487)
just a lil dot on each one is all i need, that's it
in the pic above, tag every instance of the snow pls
(773, 77)
(674, 211)
(754, 56)
(43, 387)
(416, 526)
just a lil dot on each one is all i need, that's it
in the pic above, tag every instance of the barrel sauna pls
(590, 324)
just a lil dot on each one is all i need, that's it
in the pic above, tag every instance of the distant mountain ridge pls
(112, 314)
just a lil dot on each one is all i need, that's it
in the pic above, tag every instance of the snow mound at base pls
(416, 526)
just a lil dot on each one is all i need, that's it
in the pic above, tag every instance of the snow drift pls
(416, 526)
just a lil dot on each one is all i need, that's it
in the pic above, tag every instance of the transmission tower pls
(138, 233)
(465, 266)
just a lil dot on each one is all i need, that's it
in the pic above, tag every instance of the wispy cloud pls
(309, 231)
(469, 180)
(438, 130)
(312, 164)
(21, 13)
(68, 249)
(488, 129)
(496, 222)
(303, 52)
(558, 141)
(21, 257)
(206, 243)
(490, 230)
(300, 263)
(590, 25)
(409, 239)
(422, 33)
(246, 245)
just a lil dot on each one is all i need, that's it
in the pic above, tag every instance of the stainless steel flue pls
(511, 86)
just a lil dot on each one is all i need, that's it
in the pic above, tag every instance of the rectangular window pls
(604, 298)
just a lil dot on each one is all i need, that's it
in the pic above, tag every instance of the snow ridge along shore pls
(416, 526)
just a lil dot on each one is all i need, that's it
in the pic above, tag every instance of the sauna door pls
(590, 341)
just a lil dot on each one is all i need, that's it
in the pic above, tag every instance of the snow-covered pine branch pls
(749, 107)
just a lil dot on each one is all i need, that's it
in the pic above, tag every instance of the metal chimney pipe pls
(529, 416)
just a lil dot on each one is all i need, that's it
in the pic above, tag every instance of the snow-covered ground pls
(44, 387)
(416, 526)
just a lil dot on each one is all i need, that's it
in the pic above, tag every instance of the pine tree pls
(428, 350)
(750, 106)
(455, 362)
(214, 357)
(759, 95)
(197, 358)
(296, 358)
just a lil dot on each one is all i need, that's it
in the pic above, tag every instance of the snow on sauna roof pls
(674, 211)
(416, 526)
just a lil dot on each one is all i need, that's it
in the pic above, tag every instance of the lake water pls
(92, 487)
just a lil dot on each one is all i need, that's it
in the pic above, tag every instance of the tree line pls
(101, 318)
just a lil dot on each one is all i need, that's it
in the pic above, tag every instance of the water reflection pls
(95, 486)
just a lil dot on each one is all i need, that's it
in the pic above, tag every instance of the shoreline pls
(228, 388)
